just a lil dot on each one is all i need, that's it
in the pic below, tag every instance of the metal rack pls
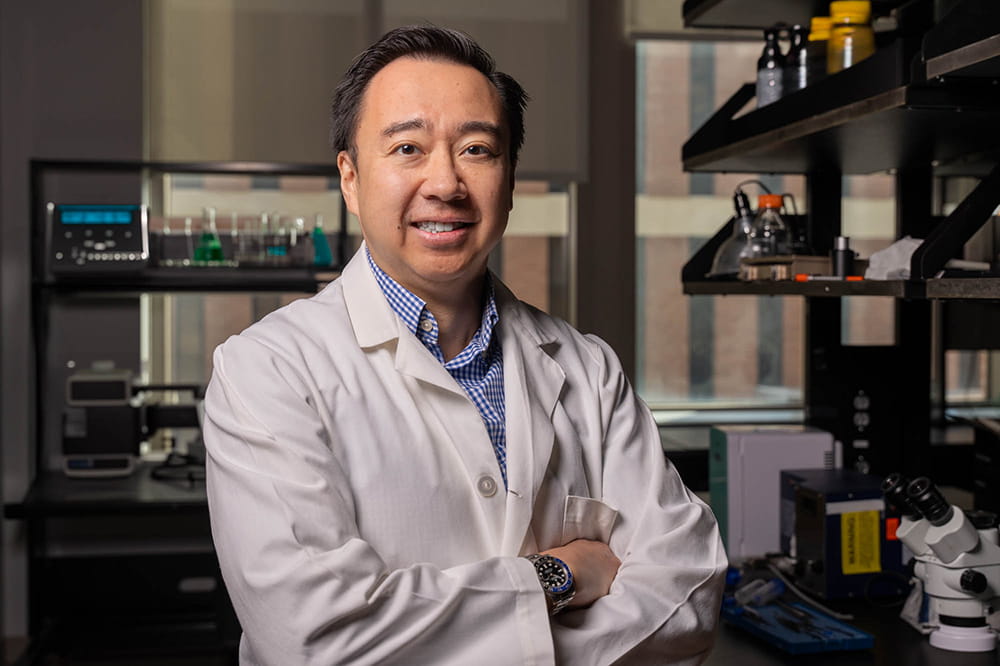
(895, 112)
(155, 533)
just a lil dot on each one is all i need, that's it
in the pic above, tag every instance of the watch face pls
(554, 574)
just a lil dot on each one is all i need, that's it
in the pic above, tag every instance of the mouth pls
(440, 227)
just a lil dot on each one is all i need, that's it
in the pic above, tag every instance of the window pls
(723, 351)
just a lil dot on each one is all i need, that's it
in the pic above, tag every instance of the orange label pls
(891, 525)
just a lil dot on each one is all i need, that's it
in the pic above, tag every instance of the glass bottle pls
(851, 36)
(796, 61)
(770, 69)
(769, 234)
(209, 250)
(819, 36)
(322, 256)
(726, 262)
(277, 243)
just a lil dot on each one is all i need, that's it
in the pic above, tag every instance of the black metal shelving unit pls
(739, 14)
(900, 111)
(55, 506)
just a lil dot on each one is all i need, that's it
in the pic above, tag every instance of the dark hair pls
(421, 42)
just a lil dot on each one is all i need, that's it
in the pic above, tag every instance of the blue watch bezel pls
(568, 585)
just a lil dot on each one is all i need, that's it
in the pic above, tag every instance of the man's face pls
(432, 183)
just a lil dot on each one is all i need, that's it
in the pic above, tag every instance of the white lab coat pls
(360, 517)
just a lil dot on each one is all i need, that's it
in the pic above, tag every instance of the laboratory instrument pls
(736, 248)
(107, 417)
(957, 565)
(83, 238)
(833, 525)
(744, 475)
(101, 429)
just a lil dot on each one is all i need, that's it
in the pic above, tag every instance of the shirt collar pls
(410, 308)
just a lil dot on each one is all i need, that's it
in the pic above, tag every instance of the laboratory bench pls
(896, 644)
(121, 569)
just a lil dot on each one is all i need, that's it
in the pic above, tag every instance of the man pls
(412, 466)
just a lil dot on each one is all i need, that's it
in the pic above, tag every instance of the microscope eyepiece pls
(894, 491)
(929, 501)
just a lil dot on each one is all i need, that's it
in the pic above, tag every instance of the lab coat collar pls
(533, 383)
(372, 317)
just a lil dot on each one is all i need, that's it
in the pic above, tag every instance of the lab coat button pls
(486, 485)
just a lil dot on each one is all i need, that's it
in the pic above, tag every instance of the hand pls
(594, 567)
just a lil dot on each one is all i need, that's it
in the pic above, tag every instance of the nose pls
(442, 179)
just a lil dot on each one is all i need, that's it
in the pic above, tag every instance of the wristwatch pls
(556, 580)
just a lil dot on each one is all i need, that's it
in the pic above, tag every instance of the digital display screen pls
(96, 214)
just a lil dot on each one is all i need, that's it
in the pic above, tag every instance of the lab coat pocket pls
(587, 518)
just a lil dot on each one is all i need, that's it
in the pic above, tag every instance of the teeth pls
(438, 227)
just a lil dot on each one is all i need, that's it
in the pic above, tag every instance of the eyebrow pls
(482, 126)
(403, 126)
(465, 128)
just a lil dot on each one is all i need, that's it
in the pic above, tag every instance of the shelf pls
(832, 288)
(964, 42)
(862, 120)
(979, 59)
(205, 279)
(247, 168)
(762, 13)
(964, 288)
(54, 494)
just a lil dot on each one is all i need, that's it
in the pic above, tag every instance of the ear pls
(348, 181)
(510, 192)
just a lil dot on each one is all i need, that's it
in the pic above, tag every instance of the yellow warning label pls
(859, 542)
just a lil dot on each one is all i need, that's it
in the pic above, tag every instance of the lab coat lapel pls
(533, 383)
(376, 324)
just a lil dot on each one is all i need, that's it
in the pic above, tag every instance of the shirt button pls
(486, 485)
(426, 325)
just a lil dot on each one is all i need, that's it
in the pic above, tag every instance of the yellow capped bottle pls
(819, 36)
(851, 36)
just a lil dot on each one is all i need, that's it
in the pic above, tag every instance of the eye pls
(406, 149)
(478, 150)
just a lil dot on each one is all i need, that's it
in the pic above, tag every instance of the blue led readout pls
(96, 214)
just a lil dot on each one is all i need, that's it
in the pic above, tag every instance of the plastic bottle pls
(797, 61)
(819, 36)
(770, 69)
(851, 36)
(769, 234)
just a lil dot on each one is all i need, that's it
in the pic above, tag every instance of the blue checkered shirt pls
(478, 369)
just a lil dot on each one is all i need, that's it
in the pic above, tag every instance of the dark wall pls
(71, 86)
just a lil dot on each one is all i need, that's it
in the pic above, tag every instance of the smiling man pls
(413, 466)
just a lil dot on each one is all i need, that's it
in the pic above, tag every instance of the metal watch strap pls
(556, 579)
